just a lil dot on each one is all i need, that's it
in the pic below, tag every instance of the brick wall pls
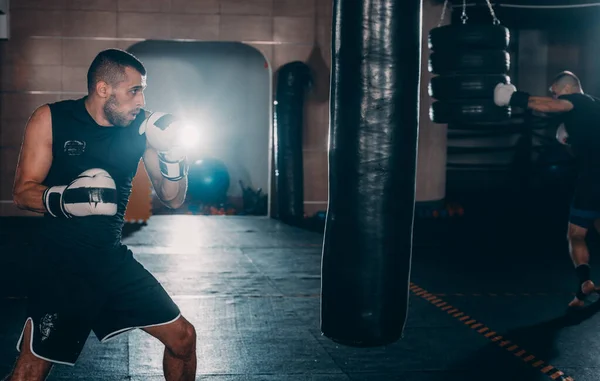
(53, 42)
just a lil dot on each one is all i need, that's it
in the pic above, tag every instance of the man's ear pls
(102, 89)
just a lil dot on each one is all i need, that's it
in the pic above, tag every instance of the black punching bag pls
(376, 52)
(293, 80)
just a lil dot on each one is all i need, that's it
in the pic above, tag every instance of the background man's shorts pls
(74, 292)
(585, 207)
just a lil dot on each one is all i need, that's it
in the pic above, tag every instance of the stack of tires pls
(468, 61)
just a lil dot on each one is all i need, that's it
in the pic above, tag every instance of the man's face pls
(557, 90)
(125, 99)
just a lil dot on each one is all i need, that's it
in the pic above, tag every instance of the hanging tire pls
(453, 87)
(469, 36)
(468, 111)
(473, 62)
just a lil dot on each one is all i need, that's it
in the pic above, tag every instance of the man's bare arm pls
(549, 105)
(34, 162)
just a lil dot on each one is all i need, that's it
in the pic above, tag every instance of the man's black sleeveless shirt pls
(79, 144)
(582, 124)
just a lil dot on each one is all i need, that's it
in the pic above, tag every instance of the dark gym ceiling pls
(531, 14)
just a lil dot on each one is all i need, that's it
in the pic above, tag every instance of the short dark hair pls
(566, 78)
(109, 66)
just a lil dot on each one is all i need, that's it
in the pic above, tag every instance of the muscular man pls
(76, 166)
(581, 118)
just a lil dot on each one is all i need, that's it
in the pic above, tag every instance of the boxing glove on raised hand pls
(503, 93)
(93, 192)
(164, 134)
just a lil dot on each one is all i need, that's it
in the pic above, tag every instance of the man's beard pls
(113, 116)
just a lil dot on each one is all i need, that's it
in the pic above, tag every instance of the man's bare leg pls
(581, 257)
(179, 338)
(29, 367)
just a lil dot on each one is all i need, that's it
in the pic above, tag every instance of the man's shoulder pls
(582, 101)
(570, 96)
(67, 102)
(64, 105)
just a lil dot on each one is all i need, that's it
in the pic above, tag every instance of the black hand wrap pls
(519, 99)
(172, 169)
(583, 274)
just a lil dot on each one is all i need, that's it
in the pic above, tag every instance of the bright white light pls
(189, 137)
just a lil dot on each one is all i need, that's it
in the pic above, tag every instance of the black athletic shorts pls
(73, 292)
(585, 206)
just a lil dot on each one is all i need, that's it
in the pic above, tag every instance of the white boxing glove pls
(164, 134)
(561, 135)
(93, 192)
(502, 94)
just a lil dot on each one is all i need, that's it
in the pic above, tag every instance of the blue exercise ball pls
(208, 181)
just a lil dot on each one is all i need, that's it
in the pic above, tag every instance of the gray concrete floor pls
(251, 286)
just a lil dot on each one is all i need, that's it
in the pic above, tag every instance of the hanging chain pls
(443, 13)
(464, 16)
(496, 21)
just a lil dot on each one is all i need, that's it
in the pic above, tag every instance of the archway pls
(223, 90)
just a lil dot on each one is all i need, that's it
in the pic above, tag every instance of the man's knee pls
(184, 343)
(576, 234)
(576, 238)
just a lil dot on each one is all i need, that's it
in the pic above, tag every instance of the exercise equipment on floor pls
(254, 202)
(208, 182)
(469, 61)
(439, 210)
